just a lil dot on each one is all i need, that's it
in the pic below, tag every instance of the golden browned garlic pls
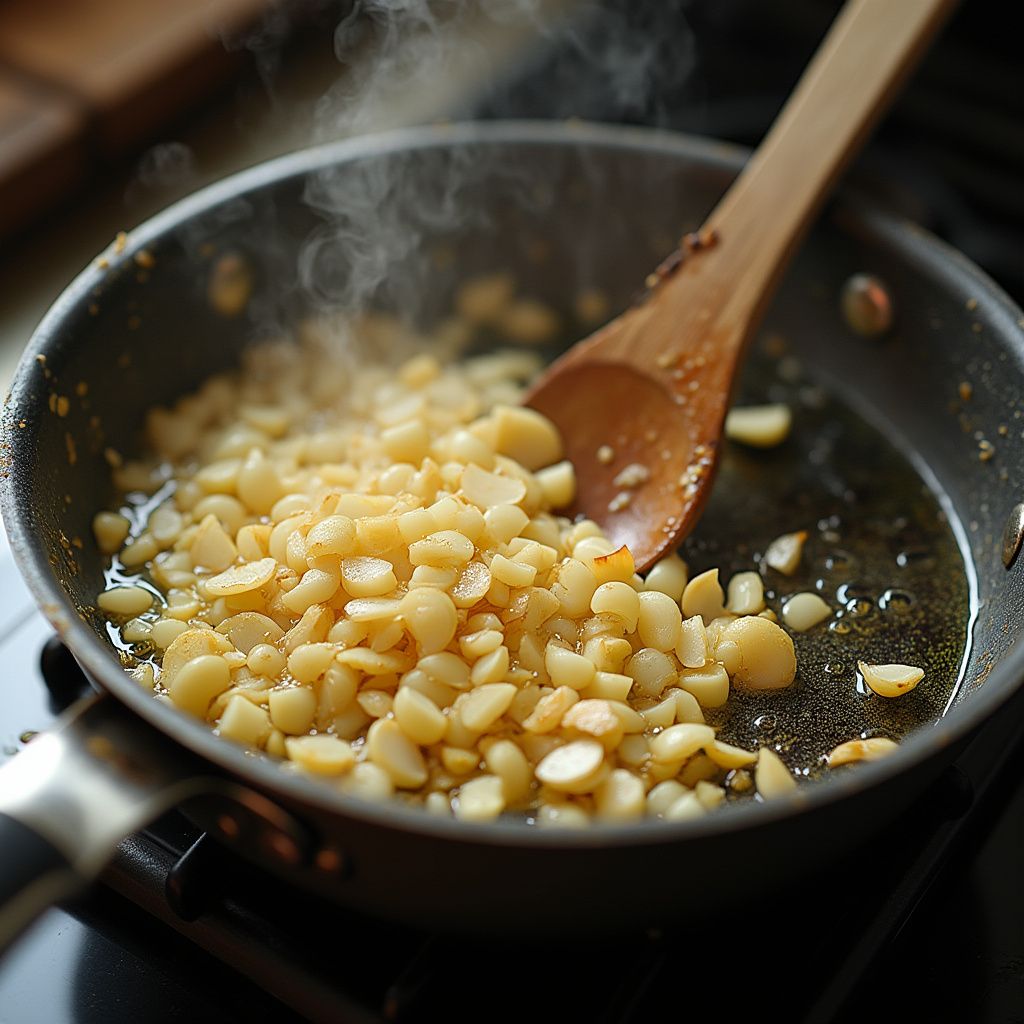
(363, 571)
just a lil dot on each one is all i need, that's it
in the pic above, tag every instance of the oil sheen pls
(880, 551)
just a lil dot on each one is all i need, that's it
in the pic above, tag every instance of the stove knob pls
(65, 681)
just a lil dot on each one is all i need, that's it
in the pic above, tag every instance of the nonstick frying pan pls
(407, 215)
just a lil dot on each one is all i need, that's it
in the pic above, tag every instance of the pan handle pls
(73, 794)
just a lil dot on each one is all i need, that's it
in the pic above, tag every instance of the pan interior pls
(880, 550)
(566, 215)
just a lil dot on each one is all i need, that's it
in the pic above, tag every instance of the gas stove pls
(924, 920)
(927, 921)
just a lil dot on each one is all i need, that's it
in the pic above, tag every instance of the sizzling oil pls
(880, 551)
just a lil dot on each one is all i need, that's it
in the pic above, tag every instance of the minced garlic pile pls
(363, 571)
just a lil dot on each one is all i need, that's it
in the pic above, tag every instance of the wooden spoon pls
(654, 385)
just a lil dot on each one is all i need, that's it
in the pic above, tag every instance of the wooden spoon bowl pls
(644, 441)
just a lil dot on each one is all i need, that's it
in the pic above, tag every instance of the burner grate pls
(330, 964)
(323, 963)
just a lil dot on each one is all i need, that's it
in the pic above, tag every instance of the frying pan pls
(605, 202)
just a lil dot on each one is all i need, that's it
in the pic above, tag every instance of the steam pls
(166, 169)
(414, 61)
(378, 215)
(616, 60)
(167, 165)
(407, 62)
(265, 43)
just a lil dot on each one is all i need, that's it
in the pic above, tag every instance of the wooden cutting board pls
(42, 148)
(84, 82)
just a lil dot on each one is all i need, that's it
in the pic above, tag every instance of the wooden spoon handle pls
(870, 47)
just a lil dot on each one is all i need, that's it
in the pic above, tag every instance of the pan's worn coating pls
(573, 205)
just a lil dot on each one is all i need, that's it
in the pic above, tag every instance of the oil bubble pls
(915, 556)
(861, 686)
(840, 561)
(896, 600)
(858, 607)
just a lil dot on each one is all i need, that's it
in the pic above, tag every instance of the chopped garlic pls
(760, 426)
(870, 749)
(632, 475)
(804, 611)
(890, 680)
(771, 776)
(364, 571)
(784, 553)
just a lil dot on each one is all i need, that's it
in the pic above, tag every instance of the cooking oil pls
(881, 551)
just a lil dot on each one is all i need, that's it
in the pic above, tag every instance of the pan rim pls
(909, 241)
